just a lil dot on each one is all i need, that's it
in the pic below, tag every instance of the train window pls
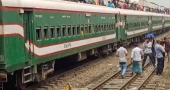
(107, 27)
(64, 31)
(92, 28)
(101, 29)
(74, 30)
(104, 28)
(89, 28)
(78, 30)
(45, 33)
(96, 28)
(52, 31)
(86, 29)
(38, 33)
(69, 30)
(58, 32)
(82, 30)
(112, 26)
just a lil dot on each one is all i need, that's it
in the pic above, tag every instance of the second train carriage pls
(36, 33)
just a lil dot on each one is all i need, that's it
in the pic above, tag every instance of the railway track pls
(56, 82)
(51, 83)
(117, 83)
(112, 82)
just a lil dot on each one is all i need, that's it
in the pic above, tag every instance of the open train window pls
(82, 30)
(64, 31)
(52, 31)
(45, 32)
(96, 28)
(92, 28)
(38, 33)
(101, 28)
(107, 27)
(69, 30)
(74, 30)
(58, 32)
(89, 28)
(104, 27)
(78, 30)
(86, 29)
(110, 27)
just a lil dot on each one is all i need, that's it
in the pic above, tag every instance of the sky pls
(165, 3)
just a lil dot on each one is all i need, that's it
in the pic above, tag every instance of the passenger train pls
(36, 33)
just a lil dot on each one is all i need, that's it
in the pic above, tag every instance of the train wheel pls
(19, 84)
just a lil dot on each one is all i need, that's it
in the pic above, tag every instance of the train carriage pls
(34, 34)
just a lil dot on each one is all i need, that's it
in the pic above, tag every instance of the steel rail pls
(102, 83)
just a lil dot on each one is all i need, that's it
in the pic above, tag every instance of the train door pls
(122, 27)
(118, 27)
(28, 35)
(26, 74)
(120, 24)
(150, 24)
(163, 22)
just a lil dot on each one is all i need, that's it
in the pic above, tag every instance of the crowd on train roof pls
(123, 5)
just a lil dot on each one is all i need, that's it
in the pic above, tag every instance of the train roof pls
(133, 12)
(72, 6)
(57, 5)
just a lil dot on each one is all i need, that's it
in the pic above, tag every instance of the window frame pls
(69, 28)
(65, 29)
(78, 32)
(46, 28)
(58, 35)
(74, 30)
(82, 26)
(39, 27)
(86, 29)
(53, 32)
(89, 28)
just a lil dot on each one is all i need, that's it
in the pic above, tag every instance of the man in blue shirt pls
(110, 4)
(160, 54)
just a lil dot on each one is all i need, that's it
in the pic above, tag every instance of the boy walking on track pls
(136, 57)
(122, 53)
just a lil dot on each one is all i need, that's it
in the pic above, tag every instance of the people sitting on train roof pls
(110, 4)
(89, 1)
(123, 5)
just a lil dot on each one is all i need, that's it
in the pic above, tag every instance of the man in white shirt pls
(147, 52)
(136, 57)
(122, 53)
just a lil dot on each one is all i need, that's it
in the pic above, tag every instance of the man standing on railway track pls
(136, 57)
(167, 47)
(122, 53)
(148, 51)
(160, 54)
